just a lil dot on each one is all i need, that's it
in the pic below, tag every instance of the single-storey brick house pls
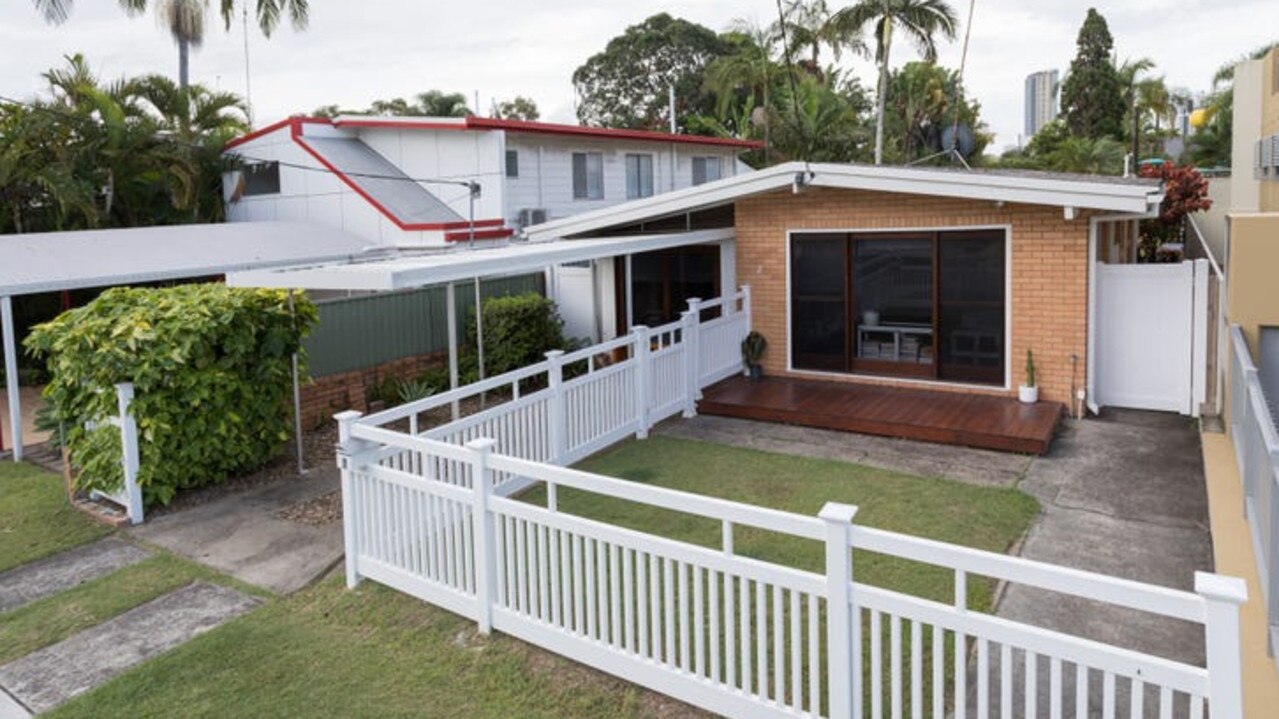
(920, 277)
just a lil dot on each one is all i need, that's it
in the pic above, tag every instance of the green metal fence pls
(357, 332)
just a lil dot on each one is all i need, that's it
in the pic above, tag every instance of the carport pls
(56, 261)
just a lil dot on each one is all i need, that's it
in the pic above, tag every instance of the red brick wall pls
(1049, 298)
(328, 395)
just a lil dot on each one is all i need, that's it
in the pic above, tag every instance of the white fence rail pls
(745, 637)
(1253, 433)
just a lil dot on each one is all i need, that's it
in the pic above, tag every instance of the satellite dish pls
(961, 133)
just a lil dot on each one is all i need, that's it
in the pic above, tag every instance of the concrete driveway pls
(1122, 494)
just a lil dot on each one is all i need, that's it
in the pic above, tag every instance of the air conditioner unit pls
(532, 216)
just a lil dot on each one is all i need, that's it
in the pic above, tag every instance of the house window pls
(913, 304)
(512, 163)
(588, 176)
(663, 281)
(639, 176)
(262, 178)
(705, 169)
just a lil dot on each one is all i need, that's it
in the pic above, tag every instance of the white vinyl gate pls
(1152, 332)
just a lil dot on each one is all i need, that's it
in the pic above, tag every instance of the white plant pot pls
(870, 318)
(1029, 395)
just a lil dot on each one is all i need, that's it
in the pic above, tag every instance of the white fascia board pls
(1019, 192)
(408, 272)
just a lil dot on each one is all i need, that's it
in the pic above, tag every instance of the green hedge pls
(210, 367)
(518, 332)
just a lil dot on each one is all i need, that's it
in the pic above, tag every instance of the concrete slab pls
(240, 534)
(10, 708)
(32, 401)
(1123, 495)
(964, 464)
(46, 678)
(60, 572)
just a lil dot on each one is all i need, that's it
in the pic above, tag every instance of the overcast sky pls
(358, 50)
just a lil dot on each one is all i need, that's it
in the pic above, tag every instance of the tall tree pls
(810, 24)
(434, 103)
(627, 84)
(1130, 74)
(1092, 99)
(742, 81)
(517, 108)
(184, 19)
(926, 101)
(921, 20)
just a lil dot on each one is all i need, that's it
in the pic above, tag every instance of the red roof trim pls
(286, 122)
(479, 235)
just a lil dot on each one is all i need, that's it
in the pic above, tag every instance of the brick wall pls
(1049, 299)
(330, 394)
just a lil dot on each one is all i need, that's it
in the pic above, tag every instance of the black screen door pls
(819, 301)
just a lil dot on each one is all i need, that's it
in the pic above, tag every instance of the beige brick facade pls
(1049, 298)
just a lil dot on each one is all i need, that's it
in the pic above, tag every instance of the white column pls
(484, 538)
(11, 376)
(348, 446)
(129, 461)
(297, 398)
(691, 319)
(1221, 641)
(558, 419)
(640, 351)
(628, 282)
(843, 656)
(450, 308)
(479, 328)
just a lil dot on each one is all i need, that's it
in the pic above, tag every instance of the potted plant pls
(1029, 393)
(752, 350)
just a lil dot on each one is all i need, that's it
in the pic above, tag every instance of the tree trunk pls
(184, 50)
(883, 92)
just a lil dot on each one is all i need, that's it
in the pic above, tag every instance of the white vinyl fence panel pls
(1254, 434)
(730, 634)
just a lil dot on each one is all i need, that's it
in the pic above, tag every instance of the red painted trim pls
(392, 123)
(491, 123)
(286, 122)
(479, 235)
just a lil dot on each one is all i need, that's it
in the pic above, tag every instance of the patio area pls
(999, 423)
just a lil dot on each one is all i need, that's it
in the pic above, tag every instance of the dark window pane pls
(512, 163)
(261, 178)
(893, 286)
(971, 305)
(819, 322)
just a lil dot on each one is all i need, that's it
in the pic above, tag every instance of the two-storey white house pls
(401, 181)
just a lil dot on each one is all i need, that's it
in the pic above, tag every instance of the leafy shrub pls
(518, 331)
(211, 370)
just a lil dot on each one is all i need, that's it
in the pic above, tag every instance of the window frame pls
(584, 190)
(641, 160)
(512, 163)
(263, 171)
(706, 161)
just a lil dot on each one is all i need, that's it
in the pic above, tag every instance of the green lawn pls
(981, 517)
(375, 652)
(35, 518)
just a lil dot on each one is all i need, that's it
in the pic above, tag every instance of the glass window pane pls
(893, 287)
(639, 176)
(818, 303)
(971, 305)
(579, 175)
(512, 163)
(594, 175)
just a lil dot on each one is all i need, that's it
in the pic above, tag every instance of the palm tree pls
(434, 103)
(1129, 78)
(184, 19)
(921, 20)
(751, 69)
(809, 24)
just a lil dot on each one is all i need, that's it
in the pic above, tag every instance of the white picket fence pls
(425, 514)
(1254, 434)
(129, 494)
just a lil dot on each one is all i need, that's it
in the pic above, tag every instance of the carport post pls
(450, 307)
(11, 375)
(297, 396)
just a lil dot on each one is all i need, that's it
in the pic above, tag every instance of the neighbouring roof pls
(381, 182)
(420, 270)
(54, 261)
(1083, 192)
(491, 123)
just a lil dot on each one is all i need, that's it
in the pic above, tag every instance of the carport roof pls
(54, 261)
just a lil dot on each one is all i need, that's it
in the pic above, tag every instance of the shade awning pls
(55, 261)
(408, 271)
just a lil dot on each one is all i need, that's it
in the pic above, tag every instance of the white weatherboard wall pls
(1151, 335)
(446, 154)
(546, 170)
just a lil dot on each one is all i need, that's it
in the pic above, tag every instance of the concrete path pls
(48, 677)
(1123, 495)
(964, 464)
(240, 534)
(31, 403)
(60, 572)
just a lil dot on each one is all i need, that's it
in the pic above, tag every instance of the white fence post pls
(484, 540)
(641, 351)
(843, 670)
(746, 306)
(692, 355)
(129, 450)
(1223, 596)
(347, 447)
(558, 420)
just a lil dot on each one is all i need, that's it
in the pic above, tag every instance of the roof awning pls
(407, 271)
(54, 261)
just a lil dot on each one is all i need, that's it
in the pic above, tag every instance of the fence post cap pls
(554, 354)
(124, 388)
(837, 512)
(482, 444)
(694, 301)
(1221, 588)
(349, 415)
(639, 328)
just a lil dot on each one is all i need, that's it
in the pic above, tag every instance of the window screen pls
(705, 169)
(639, 176)
(262, 178)
(588, 176)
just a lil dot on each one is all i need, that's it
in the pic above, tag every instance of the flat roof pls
(54, 261)
(1090, 192)
(420, 270)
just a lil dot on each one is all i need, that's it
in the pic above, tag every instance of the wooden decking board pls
(1000, 423)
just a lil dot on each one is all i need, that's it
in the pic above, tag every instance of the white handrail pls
(1212, 259)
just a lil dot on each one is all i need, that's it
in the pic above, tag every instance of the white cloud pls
(355, 52)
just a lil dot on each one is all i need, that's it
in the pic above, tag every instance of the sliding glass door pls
(921, 304)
